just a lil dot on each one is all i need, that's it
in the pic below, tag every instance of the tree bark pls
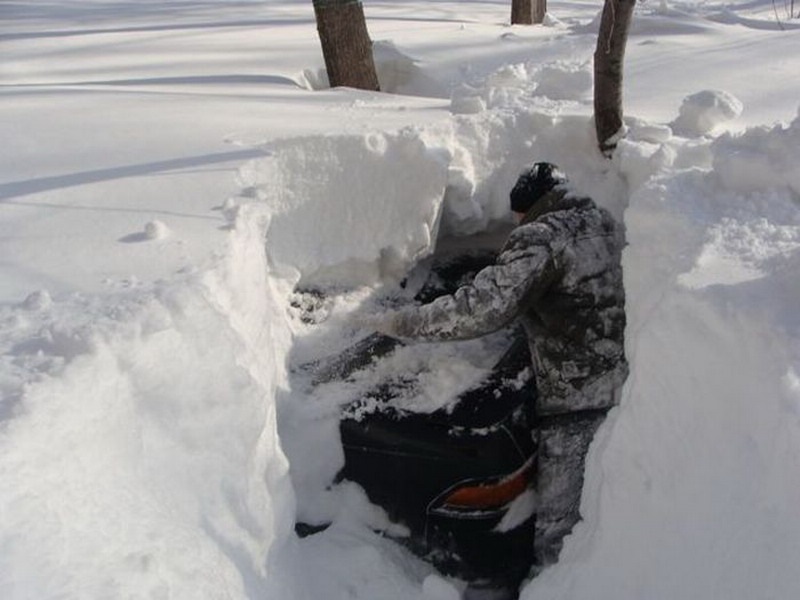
(346, 46)
(539, 11)
(521, 12)
(528, 12)
(609, 57)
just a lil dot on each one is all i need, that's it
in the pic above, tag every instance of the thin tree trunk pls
(608, 67)
(346, 46)
(528, 12)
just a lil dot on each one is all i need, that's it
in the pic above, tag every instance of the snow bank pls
(693, 485)
(338, 203)
(139, 452)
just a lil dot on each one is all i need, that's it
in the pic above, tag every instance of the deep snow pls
(172, 171)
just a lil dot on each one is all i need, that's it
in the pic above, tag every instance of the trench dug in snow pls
(682, 406)
(351, 215)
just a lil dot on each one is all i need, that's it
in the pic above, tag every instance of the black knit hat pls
(533, 184)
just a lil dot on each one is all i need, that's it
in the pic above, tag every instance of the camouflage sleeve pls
(523, 271)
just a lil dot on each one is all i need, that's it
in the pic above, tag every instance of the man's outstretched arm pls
(524, 270)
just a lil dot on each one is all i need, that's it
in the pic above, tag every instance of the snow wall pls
(693, 484)
(139, 455)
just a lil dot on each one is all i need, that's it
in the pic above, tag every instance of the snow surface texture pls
(169, 176)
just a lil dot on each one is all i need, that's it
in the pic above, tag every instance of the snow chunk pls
(153, 230)
(704, 111)
(156, 230)
(39, 300)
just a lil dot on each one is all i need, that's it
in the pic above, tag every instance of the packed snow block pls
(350, 209)
(156, 230)
(38, 300)
(704, 111)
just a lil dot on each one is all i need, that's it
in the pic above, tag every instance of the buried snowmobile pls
(461, 479)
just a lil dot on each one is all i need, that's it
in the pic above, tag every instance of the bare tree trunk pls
(528, 12)
(521, 12)
(346, 46)
(539, 10)
(608, 65)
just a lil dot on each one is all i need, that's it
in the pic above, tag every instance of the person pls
(559, 273)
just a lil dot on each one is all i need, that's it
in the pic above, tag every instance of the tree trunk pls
(528, 12)
(608, 65)
(539, 11)
(346, 46)
(521, 12)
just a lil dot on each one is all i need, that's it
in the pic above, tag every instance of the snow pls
(436, 588)
(172, 172)
(307, 182)
(704, 111)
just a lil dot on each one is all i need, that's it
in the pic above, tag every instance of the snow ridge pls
(151, 423)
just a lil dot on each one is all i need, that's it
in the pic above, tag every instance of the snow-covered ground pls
(172, 170)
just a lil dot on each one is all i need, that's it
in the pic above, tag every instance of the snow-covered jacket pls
(560, 273)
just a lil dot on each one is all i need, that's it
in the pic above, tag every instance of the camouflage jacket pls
(560, 273)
